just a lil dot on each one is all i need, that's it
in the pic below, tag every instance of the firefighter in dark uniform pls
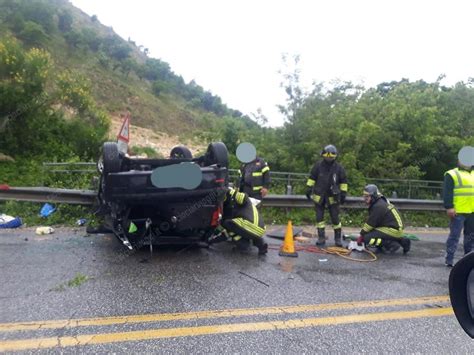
(384, 226)
(242, 221)
(255, 178)
(327, 186)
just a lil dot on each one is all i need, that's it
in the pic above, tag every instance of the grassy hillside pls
(121, 75)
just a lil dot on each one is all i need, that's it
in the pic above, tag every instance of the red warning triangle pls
(124, 134)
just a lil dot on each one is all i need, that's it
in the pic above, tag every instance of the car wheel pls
(217, 154)
(180, 152)
(111, 160)
(461, 292)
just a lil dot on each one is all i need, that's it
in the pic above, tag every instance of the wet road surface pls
(65, 292)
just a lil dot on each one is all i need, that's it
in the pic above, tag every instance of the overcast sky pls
(233, 48)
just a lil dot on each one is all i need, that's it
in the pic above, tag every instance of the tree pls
(158, 87)
(293, 90)
(39, 12)
(33, 34)
(74, 39)
(65, 21)
(35, 100)
(91, 39)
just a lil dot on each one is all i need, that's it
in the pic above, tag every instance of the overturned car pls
(145, 202)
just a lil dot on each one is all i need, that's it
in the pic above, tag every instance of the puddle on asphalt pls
(287, 265)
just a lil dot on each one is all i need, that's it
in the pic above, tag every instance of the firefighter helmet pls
(329, 152)
(372, 191)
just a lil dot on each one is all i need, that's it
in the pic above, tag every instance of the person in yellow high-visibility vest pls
(458, 196)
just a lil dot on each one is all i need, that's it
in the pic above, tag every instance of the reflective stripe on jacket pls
(327, 180)
(239, 209)
(463, 191)
(384, 217)
(254, 176)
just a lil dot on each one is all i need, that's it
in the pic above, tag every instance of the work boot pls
(391, 246)
(337, 237)
(243, 245)
(405, 243)
(263, 249)
(261, 245)
(321, 238)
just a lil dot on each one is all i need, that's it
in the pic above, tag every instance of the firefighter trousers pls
(381, 240)
(333, 213)
(234, 228)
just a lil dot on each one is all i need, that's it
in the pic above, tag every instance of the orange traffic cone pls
(288, 247)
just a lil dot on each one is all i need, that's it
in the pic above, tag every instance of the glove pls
(343, 198)
(309, 191)
(360, 240)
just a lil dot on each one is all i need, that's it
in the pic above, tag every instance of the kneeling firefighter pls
(243, 222)
(384, 226)
(327, 186)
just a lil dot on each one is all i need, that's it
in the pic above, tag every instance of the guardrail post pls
(289, 188)
(44, 173)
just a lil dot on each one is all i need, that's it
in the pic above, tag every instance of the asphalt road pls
(68, 293)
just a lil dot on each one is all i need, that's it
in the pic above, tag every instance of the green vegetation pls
(148, 151)
(65, 214)
(397, 130)
(77, 281)
(63, 74)
(350, 218)
(35, 103)
(122, 75)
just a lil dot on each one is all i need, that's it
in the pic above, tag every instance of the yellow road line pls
(105, 338)
(142, 318)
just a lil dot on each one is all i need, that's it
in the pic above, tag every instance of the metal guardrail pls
(299, 201)
(87, 197)
(46, 194)
(290, 182)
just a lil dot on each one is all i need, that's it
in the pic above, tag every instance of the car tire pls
(111, 158)
(180, 152)
(217, 154)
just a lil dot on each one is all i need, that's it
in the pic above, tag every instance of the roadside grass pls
(77, 281)
(29, 173)
(65, 214)
(350, 218)
(148, 151)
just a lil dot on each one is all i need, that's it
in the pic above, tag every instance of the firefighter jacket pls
(253, 177)
(383, 217)
(459, 190)
(327, 180)
(239, 209)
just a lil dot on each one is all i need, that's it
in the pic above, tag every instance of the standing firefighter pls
(384, 226)
(255, 178)
(243, 222)
(327, 186)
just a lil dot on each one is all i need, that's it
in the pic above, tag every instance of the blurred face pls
(461, 165)
(367, 199)
(329, 157)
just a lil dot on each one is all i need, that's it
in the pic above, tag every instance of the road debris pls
(47, 210)
(44, 230)
(7, 221)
